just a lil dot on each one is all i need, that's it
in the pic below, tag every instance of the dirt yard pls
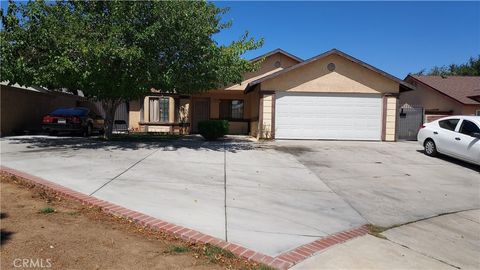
(43, 230)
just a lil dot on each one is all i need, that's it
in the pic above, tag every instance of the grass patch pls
(215, 253)
(47, 210)
(178, 249)
(377, 230)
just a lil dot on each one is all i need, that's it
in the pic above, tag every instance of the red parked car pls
(74, 120)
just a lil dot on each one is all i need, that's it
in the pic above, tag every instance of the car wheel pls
(430, 148)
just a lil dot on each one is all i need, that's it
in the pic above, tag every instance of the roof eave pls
(406, 86)
(442, 93)
(475, 98)
(278, 50)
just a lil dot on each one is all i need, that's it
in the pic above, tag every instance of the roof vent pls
(331, 66)
(277, 64)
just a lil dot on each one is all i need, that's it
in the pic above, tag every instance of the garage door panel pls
(327, 116)
(328, 135)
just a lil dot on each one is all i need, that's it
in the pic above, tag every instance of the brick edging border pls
(282, 261)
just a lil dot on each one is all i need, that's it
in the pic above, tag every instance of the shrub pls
(215, 253)
(47, 210)
(178, 249)
(213, 129)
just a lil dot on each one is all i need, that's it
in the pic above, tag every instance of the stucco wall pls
(390, 118)
(163, 129)
(171, 110)
(218, 95)
(348, 77)
(269, 64)
(266, 128)
(238, 128)
(254, 128)
(134, 115)
(431, 100)
(253, 98)
(470, 110)
(146, 109)
(23, 110)
(184, 110)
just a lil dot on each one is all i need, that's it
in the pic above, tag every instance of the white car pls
(456, 136)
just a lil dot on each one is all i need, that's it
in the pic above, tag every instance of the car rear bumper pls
(62, 127)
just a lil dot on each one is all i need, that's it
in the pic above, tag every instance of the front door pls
(200, 112)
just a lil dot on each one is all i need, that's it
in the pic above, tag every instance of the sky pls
(397, 37)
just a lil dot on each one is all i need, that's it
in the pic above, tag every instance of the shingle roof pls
(460, 88)
(244, 84)
(278, 50)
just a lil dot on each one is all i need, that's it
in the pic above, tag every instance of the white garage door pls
(328, 116)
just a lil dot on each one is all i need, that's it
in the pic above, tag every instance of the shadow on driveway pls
(44, 143)
(458, 162)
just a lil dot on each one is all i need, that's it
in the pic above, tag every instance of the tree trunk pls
(109, 106)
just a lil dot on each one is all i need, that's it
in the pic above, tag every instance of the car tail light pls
(422, 126)
(47, 119)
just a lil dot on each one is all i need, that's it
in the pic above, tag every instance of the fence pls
(409, 120)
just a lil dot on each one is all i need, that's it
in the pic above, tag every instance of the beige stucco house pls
(444, 95)
(329, 96)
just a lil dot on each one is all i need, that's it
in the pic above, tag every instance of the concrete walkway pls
(445, 242)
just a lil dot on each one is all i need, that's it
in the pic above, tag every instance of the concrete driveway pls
(269, 197)
(271, 202)
(390, 183)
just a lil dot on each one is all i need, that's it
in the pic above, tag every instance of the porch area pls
(179, 114)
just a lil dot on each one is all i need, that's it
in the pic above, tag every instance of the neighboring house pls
(22, 108)
(444, 95)
(329, 96)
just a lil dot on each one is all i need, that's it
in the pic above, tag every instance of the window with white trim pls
(158, 109)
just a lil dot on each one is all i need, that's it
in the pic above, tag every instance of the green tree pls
(116, 51)
(470, 68)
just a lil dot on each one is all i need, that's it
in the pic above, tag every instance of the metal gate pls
(409, 120)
